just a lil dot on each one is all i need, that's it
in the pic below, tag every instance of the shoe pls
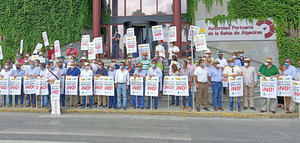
(16, 105)
(82, 107)
(117, 108)
(177, 104)
(205, 108)
(244, 108)
(221, 108)
(147, 107)
(28, 105)
(231, 109)
(182, 107)
(190, 108)
(155, 107)
(125, 108)
(34, 106)
(198, 109)
(252, 108)
(142, 107)
(133, 106)
(288, 112)
(210, 104)
(21, 105)
(172, 104)
(273, 112)
(215, 108)
(262, 111)
(90, 107)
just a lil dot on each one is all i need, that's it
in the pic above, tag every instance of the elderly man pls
(87, 72)
(292, 103)
(62, 72)
(250, 81)
(122, 85)
(112, 73)
(232, 71)
(288, 70)
(268, 70)
(19, 73)
(145, 61)
(189, 72)
(201, 78)
(74, 71)
(222, 60)
(6, 72)
(237, 61)
(51, 75)
(101, 71)
(154, 72)
(72, 50)
(32, 72)
(139, 72)
(215, 77)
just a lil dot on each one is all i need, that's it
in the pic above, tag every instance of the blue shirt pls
(215, 74)
(238, 62)
(242, 61)
(20, 73)
(74, 72)
(34, 71)
(141, 73)
(102, 72)
(291, 71)
(43, 72)
(115, 41)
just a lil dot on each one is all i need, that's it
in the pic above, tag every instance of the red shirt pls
(50, 52)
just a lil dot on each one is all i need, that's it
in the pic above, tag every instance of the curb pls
(161, 112)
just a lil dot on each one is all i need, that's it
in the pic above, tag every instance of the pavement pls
(108, 128)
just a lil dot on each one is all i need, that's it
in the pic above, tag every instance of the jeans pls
(217, 93)
(132, 98)
(190, 99)
(121, 90)
(155, 101)
(90, 101)
(231, 102)
(46, 98)
(62, 99)
(21, 98)
(115, 50)
(31, 99)
(113, 100)
(142, 103)
(173, 99)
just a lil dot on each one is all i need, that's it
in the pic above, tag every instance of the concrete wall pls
(255, 50)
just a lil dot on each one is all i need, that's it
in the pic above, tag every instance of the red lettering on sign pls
(287, 88)
(98, 87)
(236, 88)
(268, 89)
(108, 88)
(183, 87)
(71, 87)
(151, 88)
(169, 87)
(136, 87)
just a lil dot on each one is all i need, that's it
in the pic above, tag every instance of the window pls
(133, 7)
(165, 7)
(183, 6)
(149, 7)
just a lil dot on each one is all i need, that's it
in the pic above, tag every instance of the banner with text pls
(85, 86)
(71, 86)
(200, 42)
(4, 82)
(169, 85)
(152, 86)
(136, 86)
(29, 85)
(157, 32)
(268, 87)
(98, 45)
(296, 91)
(235, 86)
(131, 44)
(284, 84)
(15, 85)
(45, 39)
(172, 34)
(182, 85)
(144, 48)
(85, 39)
(57, 49)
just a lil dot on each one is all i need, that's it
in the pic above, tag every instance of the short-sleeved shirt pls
(174, 49)
(73, 50)
(19, 73)
(215, 74)
(238, 62)
(34, 71)
(268, 72)
(115, 41)
(231, 70)
(291, 71)
(223, 62)
(141, 73)
(74, 72)
(201, 74)
(146, 64)
(102, 72)
(86, 73)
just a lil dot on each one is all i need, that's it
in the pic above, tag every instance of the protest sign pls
(152, 86)
(161, 50)
(29, 85)
(44, 87)
(37, 48)
(182, 86)
(169, 85)
(225, 82)
(38, 86)
(172, 34)
(15, 85)
(200, 42)
(193, 32)
(144, 48)
(109, 86)
(98, 45)
(4, 86)
(130, 31)
(45, 39)
(296, 91)
(284, 84)
(157, 32)
(91, 51)
(136, 86)
(235, 86)
(131, 44)
(71, 85)
(57, 49)
(268, 87)
(1, 53)
(85, 39)
(85, 84)
(98, 85)
(21, 46)
(62, 84)
(55, 97)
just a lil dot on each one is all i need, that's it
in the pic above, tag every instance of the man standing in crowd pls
(288, 70)
(116, 66)
(122, 84)
(87, 72)
(51, 75)
(208, 55)
(185, 71)
(268, 70)
(32, 72)
(232, 71)
(240, 56)
(19, 73)
(215, 77)
(62, 72)
(249, 81)
(74, 71)
(201, 79)
(237, 61)
(102, 72)
(146, 62)
(222, 60)
(115, 44)
(72, 51)
(130, 70)
(293, 104)
(139, 72)
(6, 73)
(173, 50)
(154, 72)
(112, 73)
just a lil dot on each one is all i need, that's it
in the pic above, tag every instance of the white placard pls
(45, 39)
(37, 48)
(85, 86)
(235, 86)
(144, 48)
(44, 87)
(193, 30)
(1, 53)
(71, 85)
(98, 45)
(169, 85)
(172, 34)
(200, 43)
(131, 44)
(182, 86)
(99, 85)
(62, 84)
(109, 86)
(284, 84)
(85, 39)
(55, 97)
(130, 31)
(91, 51)
(161, 50)
(57, 49)
(21, 46)
(157, 32)
(15, 85)
(225, 82)
(4, 86)
(268, 87)
(29, 85)
(137, 86)
(152, 86)
(296, 91)
(38, 86)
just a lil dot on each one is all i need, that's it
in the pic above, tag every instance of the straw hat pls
(208, 51)
(208, 61)
(189, 58)
(216, 62)
(230, 60)
(240, 51)
(268, 59)
(247, 59)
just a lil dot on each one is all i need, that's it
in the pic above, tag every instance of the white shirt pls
(174, 49)
(86, 73)
(201, 74)
(222, 62)
(62, 71)
(5, 73)
(49, 76)
(122, 76)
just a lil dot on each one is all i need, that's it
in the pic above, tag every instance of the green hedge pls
(63, 20)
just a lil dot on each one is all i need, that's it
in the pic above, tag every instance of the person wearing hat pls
(222, 60)
(240, 56)
(293, 104)
(145, 61)
(249, 82)
(237, 61)
(72, 51)
(115, 44)
(87, 72)
(173, 50)
(288, 70)
(268, 70)
(232, 71)
(19, 72)
(215, 77)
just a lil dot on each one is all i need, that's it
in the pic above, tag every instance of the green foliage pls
(285, 13)
(27, 19)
